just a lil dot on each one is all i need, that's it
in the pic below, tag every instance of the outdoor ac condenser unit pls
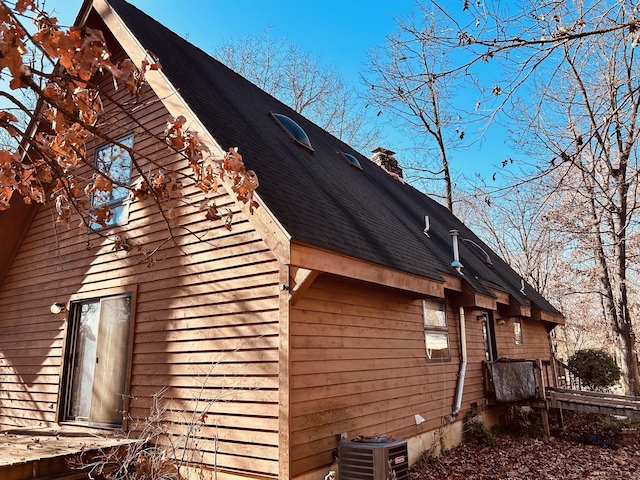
(373, 461)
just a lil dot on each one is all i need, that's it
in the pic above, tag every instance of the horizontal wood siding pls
(358, 365)
(535, 340)
(206, 323)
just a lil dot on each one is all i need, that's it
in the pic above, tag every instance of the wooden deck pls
(559, 388)
(43, 453)
(594, 402)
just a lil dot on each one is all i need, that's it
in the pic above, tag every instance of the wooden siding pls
(206, 323)
(358, 365)
(535, 340)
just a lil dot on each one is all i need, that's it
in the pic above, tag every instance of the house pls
(348, 302)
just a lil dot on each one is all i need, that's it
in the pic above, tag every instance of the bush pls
(476, 433)
(521, 421)
(596, 368)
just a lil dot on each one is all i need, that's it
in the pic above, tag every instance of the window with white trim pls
(436, 330)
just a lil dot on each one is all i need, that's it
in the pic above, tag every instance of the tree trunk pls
(613, 279)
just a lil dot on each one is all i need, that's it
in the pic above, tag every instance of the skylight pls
(478, 251)
(293, 129)
(351, 160)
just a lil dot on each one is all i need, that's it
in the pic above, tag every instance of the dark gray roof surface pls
(317, 196)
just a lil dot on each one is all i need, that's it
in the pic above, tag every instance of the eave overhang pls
(324, 261)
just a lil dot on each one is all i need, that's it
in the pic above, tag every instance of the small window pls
(116, 162)
(478, 251)
(351, 160)
(436, 331)
(294, 130)
(96, 361)
(517, 331)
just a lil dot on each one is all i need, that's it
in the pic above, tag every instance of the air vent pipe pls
(456, 255)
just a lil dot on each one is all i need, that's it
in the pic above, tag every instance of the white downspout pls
(455, 410)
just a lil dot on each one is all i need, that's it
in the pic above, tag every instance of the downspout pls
(455, 409)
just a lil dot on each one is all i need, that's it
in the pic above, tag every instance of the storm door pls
(96, 370)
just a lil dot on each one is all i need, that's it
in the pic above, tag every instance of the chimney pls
(385, 158)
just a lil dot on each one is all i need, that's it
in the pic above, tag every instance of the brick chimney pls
(385, 158)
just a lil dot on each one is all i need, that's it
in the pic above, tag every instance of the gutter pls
(455, 409)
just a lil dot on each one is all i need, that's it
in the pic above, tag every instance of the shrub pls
(596, 368)
(476, 433)
(521, 421)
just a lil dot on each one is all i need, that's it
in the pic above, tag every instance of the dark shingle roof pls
(318, 198)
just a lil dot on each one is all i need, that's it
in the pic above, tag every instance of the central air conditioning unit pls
(373, 461)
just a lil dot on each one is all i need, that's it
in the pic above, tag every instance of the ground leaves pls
(526, 458)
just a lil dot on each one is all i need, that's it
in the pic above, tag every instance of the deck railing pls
(559, 375)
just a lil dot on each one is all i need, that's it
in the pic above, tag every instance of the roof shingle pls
(317, 197)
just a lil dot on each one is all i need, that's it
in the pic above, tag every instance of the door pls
(489, 335)
(97, 368)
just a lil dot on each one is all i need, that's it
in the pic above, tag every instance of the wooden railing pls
(559, 375)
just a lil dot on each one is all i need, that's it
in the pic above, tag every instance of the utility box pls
(373, 460)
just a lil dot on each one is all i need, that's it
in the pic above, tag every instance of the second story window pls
(517, 332)
(115, 162)
(436, 331)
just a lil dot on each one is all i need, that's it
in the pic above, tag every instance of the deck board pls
(35, 452)
(594, 402)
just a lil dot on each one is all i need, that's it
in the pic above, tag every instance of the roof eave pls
(325, 261)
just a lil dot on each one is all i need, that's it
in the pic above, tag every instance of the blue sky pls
(340, 32)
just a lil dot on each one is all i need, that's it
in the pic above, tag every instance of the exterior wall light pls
(57, 307)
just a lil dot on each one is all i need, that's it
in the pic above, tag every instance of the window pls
(351, 160)
(294, 130)
(116, 162)
(517, 331)
(436, 331)
(94, 382)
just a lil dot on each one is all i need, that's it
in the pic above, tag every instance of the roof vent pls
(427, 226)
(456, 255)
(385, 158)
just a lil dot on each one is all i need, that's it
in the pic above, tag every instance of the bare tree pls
(564, 76)
(527, 225)
(572, 75)
(516, 226)
(305, 83)
(586, 120)
(403, 83)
